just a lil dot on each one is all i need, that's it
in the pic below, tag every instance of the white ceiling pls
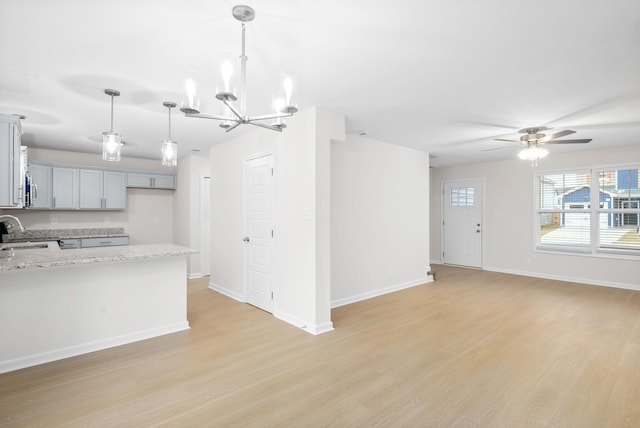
(436, 75)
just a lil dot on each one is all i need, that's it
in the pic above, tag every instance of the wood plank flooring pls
(472, 349)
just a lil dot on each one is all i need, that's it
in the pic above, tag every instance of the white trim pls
(229, 293)
(380, 292)
(84, 348)
(194, 275)
(303, 325)
(587, 281)
(205, 224)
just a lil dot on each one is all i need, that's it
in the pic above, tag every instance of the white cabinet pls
(10, 175)
(40, 185)
(104, 242)
(102, 189)
(115, 190)
(151, 180)
(65, 188)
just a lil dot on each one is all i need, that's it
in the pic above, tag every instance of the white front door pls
(259, 234)
(462, 223)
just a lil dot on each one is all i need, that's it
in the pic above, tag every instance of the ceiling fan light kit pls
(233, 116)
(533, 139)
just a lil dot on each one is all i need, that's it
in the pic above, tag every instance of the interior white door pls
(259, 234)
(462, 223)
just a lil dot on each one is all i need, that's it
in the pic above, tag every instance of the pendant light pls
(111, 141)
(169, 147)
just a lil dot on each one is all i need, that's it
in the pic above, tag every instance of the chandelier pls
(234, 116)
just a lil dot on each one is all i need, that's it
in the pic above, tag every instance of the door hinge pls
(271, 171)
(272, 295)
(272, 233)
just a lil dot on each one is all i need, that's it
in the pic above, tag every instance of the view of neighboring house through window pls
(569, 219)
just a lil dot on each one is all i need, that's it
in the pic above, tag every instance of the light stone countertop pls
(33, 235)
(53, 256)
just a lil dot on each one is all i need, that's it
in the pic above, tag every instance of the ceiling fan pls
(533, 140)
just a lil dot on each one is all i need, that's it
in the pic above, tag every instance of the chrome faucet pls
(10, 217)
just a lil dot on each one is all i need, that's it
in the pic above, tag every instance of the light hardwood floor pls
(472, 349)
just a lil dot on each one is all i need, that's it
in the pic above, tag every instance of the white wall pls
(508, 219)
(302, 225)
(148, 217)
(186, 208)
(379, 218)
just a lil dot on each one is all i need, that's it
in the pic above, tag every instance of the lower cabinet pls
(104, 242)
(74, 243)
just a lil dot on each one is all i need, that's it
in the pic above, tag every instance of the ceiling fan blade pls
(500, 148)
(557, 135)
(504, 139)
(583, 141)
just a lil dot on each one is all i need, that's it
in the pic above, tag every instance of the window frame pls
(594, 248)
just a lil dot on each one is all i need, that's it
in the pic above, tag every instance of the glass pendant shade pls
(192, 104)
(287, 85)
(169, 153)
(278, 102)
(226, 77)
(533, 153)
(111, 145)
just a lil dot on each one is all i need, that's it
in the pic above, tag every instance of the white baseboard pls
(303, 325)
(194, 275)
(84, 348)
(229, 293)
(380, 292)
(588, 281)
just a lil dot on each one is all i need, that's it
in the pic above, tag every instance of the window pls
(569, 219)
(462, 197)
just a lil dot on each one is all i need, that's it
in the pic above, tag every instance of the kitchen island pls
(57, 303)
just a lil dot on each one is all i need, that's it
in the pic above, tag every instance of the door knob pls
(245, 239)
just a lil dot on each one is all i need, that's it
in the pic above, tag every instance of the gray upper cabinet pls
(102, 189)
(65, 188)
(40, 185)
(115, 190)
(151, 180)
(10, 177)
